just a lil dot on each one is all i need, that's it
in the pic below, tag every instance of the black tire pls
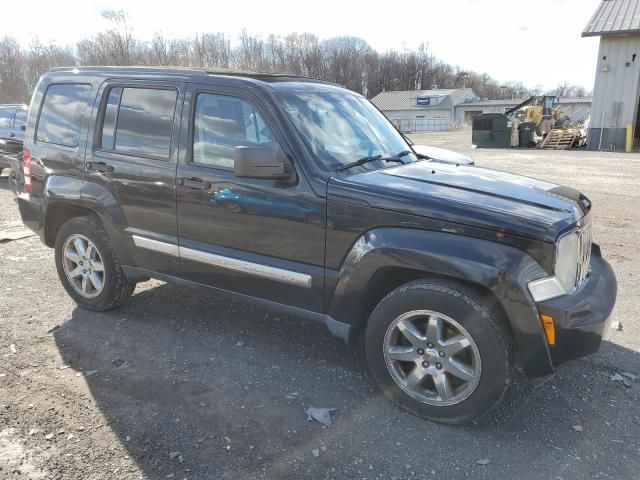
(464, 305)
(117, 289)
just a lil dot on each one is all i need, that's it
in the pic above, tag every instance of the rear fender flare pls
(63, 191)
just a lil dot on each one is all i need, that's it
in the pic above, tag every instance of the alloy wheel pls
(432, 357)
(83, 266)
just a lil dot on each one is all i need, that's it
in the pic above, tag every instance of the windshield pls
(340, 128)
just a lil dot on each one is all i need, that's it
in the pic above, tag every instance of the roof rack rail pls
(207, 71)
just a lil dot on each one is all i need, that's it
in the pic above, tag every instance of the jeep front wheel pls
(438, 351)
(88, 266)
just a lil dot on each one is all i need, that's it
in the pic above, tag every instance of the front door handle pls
(12, 134)
(99, 167)
(194, 183)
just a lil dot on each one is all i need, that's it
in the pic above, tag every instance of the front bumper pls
(581, 318)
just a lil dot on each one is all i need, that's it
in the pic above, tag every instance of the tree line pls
(345, 60)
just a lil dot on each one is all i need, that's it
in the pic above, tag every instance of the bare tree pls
(567, 90)
(212, 50)
(13, 87)
(250, 53)
(349, 61)
(344, 61)
(42, 58)
(115, 46)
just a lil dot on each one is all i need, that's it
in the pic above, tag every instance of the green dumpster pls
(491, 130)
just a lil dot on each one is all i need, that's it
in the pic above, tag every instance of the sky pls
(535, 42)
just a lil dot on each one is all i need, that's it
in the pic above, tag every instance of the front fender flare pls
(502, 269)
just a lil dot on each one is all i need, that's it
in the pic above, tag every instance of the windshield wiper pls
(361, 161)
(372, 158)
(403, 153)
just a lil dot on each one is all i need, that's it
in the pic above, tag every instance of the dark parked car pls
(13, 119)
(453, 273)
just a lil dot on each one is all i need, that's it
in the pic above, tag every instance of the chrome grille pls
(584, 254)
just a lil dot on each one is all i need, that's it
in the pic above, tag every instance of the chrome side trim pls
(264, 271)
(256, 269)
(156, 245)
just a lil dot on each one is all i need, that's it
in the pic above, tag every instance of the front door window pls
(223, 123)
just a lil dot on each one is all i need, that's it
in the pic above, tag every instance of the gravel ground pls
(187, 384)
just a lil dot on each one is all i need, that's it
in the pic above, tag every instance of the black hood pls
(468, 195)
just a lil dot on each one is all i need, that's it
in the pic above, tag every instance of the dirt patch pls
(16, 460)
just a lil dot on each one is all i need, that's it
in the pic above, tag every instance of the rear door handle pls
(99, 167)
(194, 183)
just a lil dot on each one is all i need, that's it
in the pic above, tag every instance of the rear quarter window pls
(63, 110)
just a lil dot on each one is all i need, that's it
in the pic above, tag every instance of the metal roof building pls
(614, 116)
(614, 17)
(423, 110)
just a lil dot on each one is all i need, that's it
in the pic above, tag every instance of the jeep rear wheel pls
(88, 266)
(437, 351)
(83, 266)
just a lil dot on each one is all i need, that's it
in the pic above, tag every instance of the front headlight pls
(564, 280)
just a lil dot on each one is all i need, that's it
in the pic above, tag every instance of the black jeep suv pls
(300, 195)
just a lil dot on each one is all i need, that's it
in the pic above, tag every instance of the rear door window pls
(63, 110)
(139, 121)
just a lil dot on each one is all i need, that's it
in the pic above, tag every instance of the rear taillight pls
(26, 169)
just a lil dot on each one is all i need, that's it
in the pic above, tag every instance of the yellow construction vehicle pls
(541, 111)
(525, 125)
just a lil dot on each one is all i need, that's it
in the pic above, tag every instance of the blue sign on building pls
(422, 101)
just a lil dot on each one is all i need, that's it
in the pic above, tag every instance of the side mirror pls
(258, 162)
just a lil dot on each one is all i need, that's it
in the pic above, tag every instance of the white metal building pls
(616, 90)
(423, 110)
(438, 110)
